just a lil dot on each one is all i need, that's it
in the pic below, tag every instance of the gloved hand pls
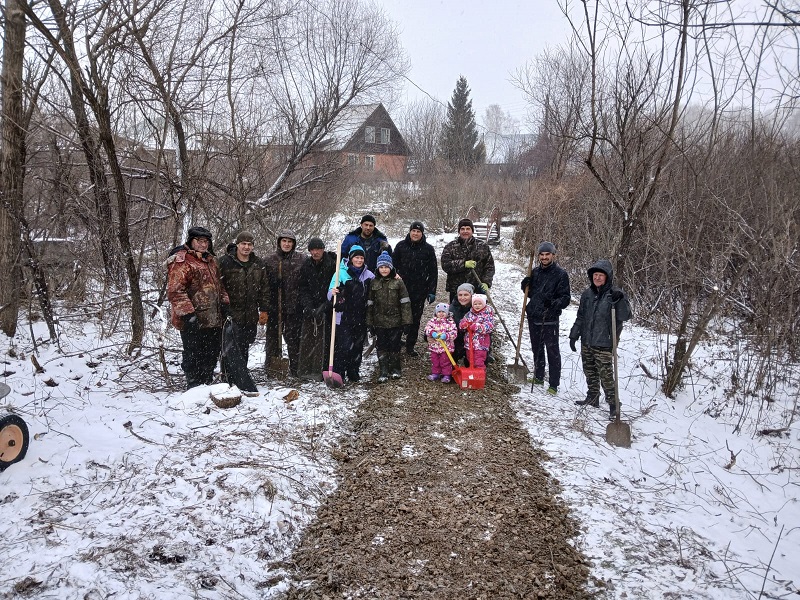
(435, 335)
(469, 264)
(526, 281)
(473, 327)
(616, 294)
(547, 302)
(485, 288)
(263, 317)
(189, 321)
(572, 344)
(463, 325)
(225, 309)
(321, 310)
(431, 298)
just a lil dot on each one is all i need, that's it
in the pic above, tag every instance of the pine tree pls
(460, 145)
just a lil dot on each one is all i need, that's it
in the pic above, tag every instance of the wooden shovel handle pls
(522, 316)
(333, 319)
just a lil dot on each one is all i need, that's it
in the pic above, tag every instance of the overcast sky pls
(484, 41)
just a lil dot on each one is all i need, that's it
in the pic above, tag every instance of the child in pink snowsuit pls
(478, 324)
(441, 327)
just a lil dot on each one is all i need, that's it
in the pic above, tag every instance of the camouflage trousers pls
(598, 368)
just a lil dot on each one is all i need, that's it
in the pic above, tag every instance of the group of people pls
(377, 290)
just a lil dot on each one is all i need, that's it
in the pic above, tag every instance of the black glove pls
(572, 344)
(546, 302)
(225, 309)
(321, 310)
(526, 281)
(616, 294)
(189, 321)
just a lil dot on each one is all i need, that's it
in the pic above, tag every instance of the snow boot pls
(552, 390)
(394, 365)
(433, 377)
(383, 365)
(591, 400)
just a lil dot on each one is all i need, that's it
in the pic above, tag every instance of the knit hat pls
(441, 307)
(245, 236)
(356, 251)
(481, 297)
(466, 223)
(316, 243)
(417, 225)
(466, 287)
(369, 218)
(547, 247)
(384, 260)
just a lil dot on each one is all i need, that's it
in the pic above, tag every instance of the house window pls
(369, 135)
(369, 162)
(384, 135)
(352, 160)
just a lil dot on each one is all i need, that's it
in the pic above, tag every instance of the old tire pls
(14, 440)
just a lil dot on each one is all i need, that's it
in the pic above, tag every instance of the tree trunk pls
(12, 161)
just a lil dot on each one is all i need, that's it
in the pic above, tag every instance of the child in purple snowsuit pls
(441, 327)
(478, 324)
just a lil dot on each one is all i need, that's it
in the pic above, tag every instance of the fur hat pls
(384, 260)
(200, 232)
(316, 243)
(441, 307)
(245, 236)
(369, 218)
(466, 287)
(481, 297)
(466, 223)
(547, 247)
(356, 250)
(417, 225)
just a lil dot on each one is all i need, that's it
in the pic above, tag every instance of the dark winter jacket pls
(416, 263)
(247, 286)
(457, 252)
(351, 302)
(388, 304)
(283, 269)
(546, 286)
(194, 286)
(373, 246)
(593, 323)
(314, 280)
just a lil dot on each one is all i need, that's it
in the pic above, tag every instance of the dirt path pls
(441, 496)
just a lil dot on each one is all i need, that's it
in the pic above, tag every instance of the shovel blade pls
(332, 379)
(618, 434)
(517, 373)
(278, 367)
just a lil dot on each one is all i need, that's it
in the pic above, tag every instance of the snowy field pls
(132, 492)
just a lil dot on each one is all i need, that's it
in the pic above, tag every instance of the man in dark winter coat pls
(199, 305)
(315, 276)
(370, 239)
(245, 279)
(283, 270)
(415, 261)
(467, 259)
(593, 327)
(548, 295)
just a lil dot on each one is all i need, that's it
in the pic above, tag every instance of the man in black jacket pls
(415, 262)
(548, 295)
(315, 278)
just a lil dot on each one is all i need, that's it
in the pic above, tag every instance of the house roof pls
(348, 124)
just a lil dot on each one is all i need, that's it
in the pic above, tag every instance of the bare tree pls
(421, 126)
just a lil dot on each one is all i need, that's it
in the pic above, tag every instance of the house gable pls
(377, 134)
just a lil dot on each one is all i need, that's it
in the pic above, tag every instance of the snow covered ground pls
(137, 493)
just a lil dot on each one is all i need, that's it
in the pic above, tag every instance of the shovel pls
(277, 364)
(469, 378)
(332, 379)
(617, 432)
(519, 373)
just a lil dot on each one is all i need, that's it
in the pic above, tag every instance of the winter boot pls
(383, 365)
(591, 400)
(537, 381)
(433, 377)
(612, 412)
(552, 390)
(394, 365)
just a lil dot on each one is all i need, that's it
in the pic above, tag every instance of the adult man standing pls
(245, 279)
(283, 270)
(548, 295)
(370, 239)
(315, 275)
(465, 258)
(593, 327)
(415, 262)
(199, 304)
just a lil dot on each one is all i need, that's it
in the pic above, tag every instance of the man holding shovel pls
(594, 328)
(548, 295)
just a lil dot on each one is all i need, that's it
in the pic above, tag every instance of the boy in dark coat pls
(593, 327)
(388, 311)
(548, 294)
(415, 261)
